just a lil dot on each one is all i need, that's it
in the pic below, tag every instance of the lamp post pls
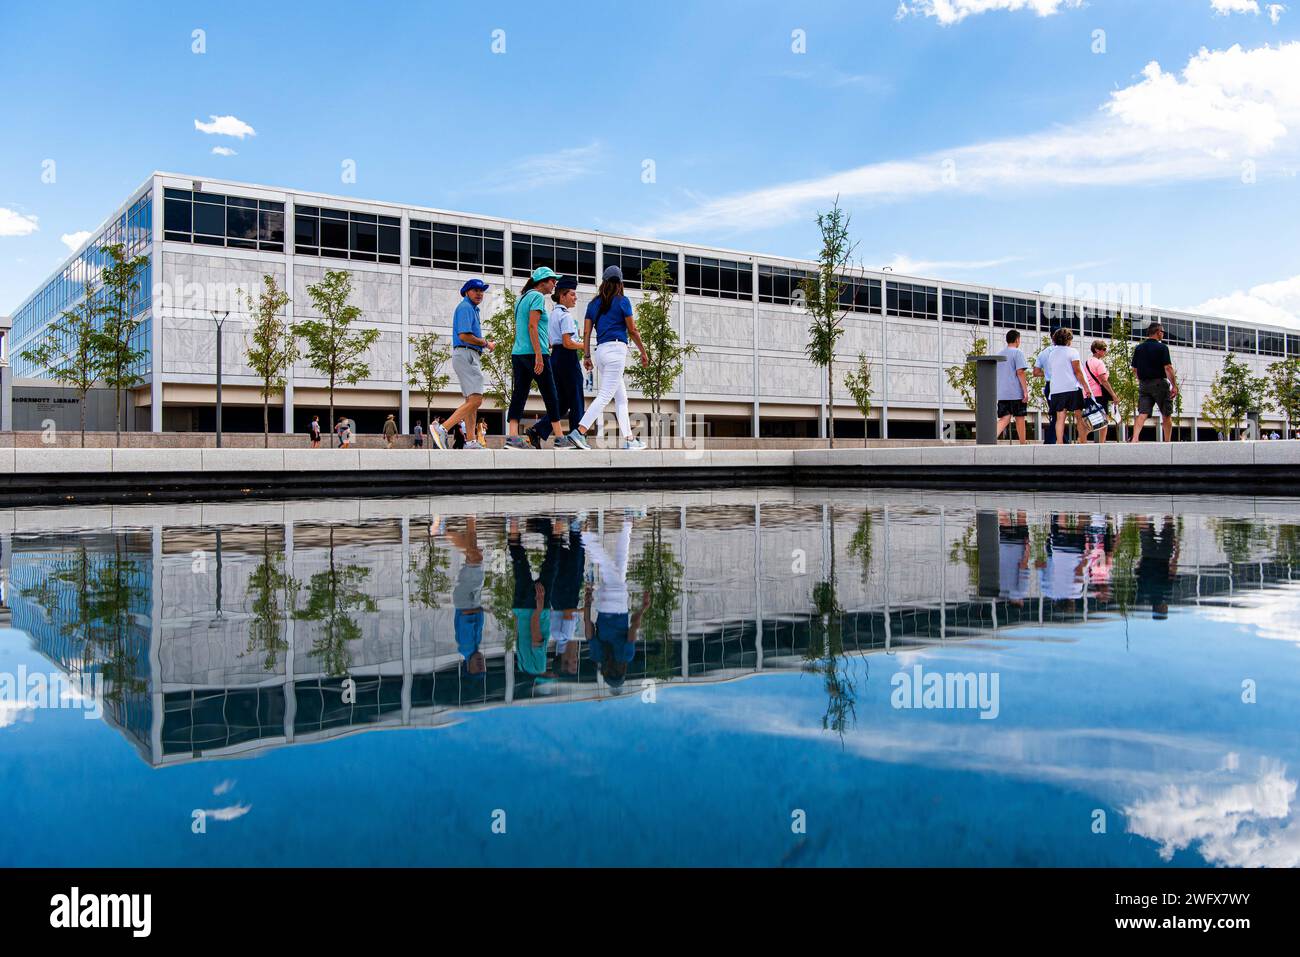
(219, 319)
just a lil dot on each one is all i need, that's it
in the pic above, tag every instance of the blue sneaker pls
(578, 439)
(517, 444)
(563, 442)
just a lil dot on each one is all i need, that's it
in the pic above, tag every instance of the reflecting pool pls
(737, 677)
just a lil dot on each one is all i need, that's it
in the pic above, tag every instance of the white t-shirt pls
(1057, 363)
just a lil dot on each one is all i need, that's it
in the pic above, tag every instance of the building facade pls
(209, 241)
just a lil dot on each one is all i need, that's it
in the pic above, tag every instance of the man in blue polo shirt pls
(467, 345)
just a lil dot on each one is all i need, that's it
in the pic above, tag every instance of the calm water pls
(741, 677)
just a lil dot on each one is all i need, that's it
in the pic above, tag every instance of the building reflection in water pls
(227, 629)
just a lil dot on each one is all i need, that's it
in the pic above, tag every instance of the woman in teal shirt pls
(531, 362)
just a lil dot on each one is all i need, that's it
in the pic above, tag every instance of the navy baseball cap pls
(566, 283)
(612, 272)
(473, 284)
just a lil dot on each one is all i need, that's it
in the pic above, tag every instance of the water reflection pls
(231, 630)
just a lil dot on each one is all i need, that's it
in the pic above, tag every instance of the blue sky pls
(977, 140)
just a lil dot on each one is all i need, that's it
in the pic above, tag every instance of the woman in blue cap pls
(610, 316)
(566, 346)
(531, 362)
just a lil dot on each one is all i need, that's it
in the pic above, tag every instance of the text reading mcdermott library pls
(749, 377)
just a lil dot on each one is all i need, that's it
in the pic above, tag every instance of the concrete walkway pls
(48, 475)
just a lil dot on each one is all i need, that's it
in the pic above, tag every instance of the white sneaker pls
(472, 446)
(634, 445)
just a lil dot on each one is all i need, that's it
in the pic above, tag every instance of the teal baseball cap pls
(545, 272)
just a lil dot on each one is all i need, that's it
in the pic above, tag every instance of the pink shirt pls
(1096, 374)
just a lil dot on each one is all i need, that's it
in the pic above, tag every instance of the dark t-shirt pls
(1150, 359)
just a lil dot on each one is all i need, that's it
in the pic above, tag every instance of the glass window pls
(861, 295)
(1272, 343)
(1241, 340)
(1293, 345)
(565, 256)
(1178, 332)
(912, 301)
(1098, 322)
(1011, 313)
(634, 263)
(1061, 315)
(962, 306)
(1210, 335)
(719, 278)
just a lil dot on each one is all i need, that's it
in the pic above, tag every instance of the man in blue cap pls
(466, 359)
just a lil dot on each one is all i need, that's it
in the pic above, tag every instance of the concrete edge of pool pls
(85, 476)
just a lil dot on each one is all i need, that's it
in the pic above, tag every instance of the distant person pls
(1014, 554)
(565, 598)
(1098, 376)
(1060, 366)
(1013, 387)
(1157, 383)
(482, 434)
(531, 362)
(467, 596)
(532, 622)
(1157, 567)
(612, 633)
(314, 431)
(344, 431)
(390, 430)
(417, 434)
(610, 317)
(466, 359)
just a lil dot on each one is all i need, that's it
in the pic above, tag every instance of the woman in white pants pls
(610, 316)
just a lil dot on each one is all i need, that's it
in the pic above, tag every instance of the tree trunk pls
(333, 430)
(266, 421)
(830, 401)
(83, 420)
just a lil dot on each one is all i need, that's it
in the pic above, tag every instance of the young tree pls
(962, 376)
(822, 300)
(1284, 390)
(1119, 367)
(333, 348)
(118, 320)
(272, 346)
(500, 327)
(425, 370)
(1037, 384)
(858, 382)
(76, 365)
(1233, 393)
(654, 320)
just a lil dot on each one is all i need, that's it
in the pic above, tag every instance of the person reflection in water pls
(532, 623)
(565, 598)
(467, 598)
(1014, 556)
(1062, 576)
(612, 632)
(1158, 564)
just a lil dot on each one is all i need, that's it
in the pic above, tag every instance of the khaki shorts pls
(1152, 393)
(469, 370)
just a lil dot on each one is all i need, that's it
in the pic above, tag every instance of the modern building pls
(207, 239)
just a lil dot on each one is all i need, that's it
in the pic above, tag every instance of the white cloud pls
(539, 172)
(231, 813)
(223, 787)
(225, 126)
(948, 12)
(1275, 11)
(223, 151)
(16, 224)
(74, 240)
(1225, 8)
(1224, 107)
(919, 267)
(1274, 303)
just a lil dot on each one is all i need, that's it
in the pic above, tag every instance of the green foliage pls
(78, 366)
(118, 320)
(272, 348)
(500, 327)
(858, 382)
(428, 573)
(1119, 368)
(1233, 393)
(425, 371)
(333, 348)
(822, 300)
(667, 353)
(861, 544)
(271, 590)
(1038, 384)
(962, 377)
(1284, 389)
(332, 597)
(659, 574)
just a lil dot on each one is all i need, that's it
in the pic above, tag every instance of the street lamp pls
(219, 319)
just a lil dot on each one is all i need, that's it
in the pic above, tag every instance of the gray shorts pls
(469, 370)
(1153, 393)
(468, 592)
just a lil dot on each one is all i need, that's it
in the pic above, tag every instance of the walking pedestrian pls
(390, 430)
(1060, 366)
(314, 431)
(1157, 382)
(1098, 377)
(1013, 387)
(610, 316)
(417, 434)
(531, 362)
(566, 347)
(466, 359)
